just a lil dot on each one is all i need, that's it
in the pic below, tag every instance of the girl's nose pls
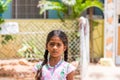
(55, 47)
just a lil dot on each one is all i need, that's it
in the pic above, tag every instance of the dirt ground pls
(16, 69)
(21, 69)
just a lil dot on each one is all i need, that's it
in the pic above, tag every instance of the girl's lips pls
(54, 52)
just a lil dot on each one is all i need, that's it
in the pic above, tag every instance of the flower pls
(69, 2)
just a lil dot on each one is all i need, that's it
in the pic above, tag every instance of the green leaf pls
(4, 5)
(1, 20)
(87, 4)
(50, 5)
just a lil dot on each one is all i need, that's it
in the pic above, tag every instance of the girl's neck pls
(54, 60)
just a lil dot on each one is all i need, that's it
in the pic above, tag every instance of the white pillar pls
(84, 46)
(109, 29)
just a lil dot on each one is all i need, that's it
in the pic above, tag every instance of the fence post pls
(84, 46)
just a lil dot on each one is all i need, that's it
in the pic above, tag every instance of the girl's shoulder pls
(68, 64)
(69, 67)
(37, 66)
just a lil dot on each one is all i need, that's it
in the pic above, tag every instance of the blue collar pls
(48, 65)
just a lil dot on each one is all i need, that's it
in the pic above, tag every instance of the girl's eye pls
(52, 44)
(58, 44)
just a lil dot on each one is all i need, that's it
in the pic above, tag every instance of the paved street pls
(99, 72)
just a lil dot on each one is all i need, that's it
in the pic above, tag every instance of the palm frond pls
(50, 5)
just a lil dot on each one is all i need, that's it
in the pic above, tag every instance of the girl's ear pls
(65, 47)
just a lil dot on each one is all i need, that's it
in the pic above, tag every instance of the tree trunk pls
(91, 35)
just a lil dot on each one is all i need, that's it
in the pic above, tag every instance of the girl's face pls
(55, 47)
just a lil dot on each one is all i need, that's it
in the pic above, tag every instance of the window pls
(26, 9)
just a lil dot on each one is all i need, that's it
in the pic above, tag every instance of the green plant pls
(71, 9)
(29, 51)
(3, 8)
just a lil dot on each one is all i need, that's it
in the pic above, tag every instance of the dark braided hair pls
(64, 39)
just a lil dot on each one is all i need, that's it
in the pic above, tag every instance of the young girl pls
(54, 67)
